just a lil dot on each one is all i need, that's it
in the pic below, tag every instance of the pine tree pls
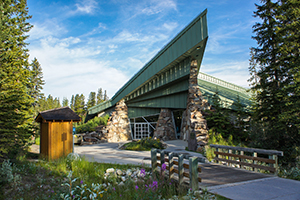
(72, 103)
(79, 105)
(65, 102)
(15, 102)
(278, 87)
(99, 96)
(105, 96)
(36, 81)
(92, 100)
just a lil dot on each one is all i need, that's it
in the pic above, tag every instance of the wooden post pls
(254, 161)
(241, 160)
(162, 159)
(171, 165)
(193, 167)
(229, 157)
(180, 169)
(217, 150)
(154, 160)
(275, 157)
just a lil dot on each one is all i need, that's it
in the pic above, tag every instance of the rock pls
(123, 178)
(119, 172)
(110, 170)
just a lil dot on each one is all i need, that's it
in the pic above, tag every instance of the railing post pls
(154, 160)
(275, 157)
(254, 161)
(180, 169)
(162, 159)
(229, 157)
(193, 167)
(217, 150)
(241, 160)
(171, 165)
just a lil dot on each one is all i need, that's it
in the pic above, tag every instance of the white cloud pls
(233, 72)
(158, 6)
(45, 29)
(86, 6)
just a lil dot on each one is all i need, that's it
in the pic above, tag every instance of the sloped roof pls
(58, 114)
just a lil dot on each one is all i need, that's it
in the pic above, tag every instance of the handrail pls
(241, 160)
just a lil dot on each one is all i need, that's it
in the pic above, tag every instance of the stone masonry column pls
(194, 126)
(165, 126)
(118, 128)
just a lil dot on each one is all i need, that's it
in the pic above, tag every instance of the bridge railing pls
(177, 166)
(220, 82)
(235, 156)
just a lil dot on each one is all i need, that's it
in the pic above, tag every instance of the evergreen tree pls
(105, 96)
(36, 81)
(65, 102)
(99, 96)
(72, 103)
(79, 105)
(278, 87)
(15, 102)
(92, 100)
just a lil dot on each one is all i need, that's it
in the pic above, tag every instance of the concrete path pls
(229, 182)
(263, 189)
(109, 153)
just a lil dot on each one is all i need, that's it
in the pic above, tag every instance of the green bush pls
(92, 124)
(145, 144)
(216, 138)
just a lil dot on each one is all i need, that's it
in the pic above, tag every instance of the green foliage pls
(276, 77)
(92, 100)
(101, 97)
(92, 124)
(144, 144)
(65, 102)
(216, 138)
(15, 100)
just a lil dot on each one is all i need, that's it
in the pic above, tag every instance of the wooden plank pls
(261, 151)
(271, 169)
(185, 174)
(186, 166)
(266, 160)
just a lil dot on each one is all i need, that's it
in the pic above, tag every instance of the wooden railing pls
(177, 166)
(235, 155)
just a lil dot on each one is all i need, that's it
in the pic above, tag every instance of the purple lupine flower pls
(81, 182)
(136, 187)
(114, 189)
(143, 172)
(163, 167)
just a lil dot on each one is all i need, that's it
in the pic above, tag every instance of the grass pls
(145, 144)
(72, 179)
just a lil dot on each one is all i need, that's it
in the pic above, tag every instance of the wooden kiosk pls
(56, 127)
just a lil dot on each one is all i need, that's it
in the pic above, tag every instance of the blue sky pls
(83, 45)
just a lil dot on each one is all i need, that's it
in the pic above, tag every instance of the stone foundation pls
(165, 127)
(118, 128)
(194, 126)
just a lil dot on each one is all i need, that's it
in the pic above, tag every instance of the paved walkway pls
(229, 182)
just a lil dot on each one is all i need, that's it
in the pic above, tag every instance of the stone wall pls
(165, 126)
(194, 126)
(118, 127)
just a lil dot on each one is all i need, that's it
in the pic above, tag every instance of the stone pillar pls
(194, 127)
(165, 127)
(118, 127)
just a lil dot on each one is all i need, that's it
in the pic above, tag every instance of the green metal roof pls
(189, 43)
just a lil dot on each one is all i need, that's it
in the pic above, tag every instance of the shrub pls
(92, 124)
(145, 144)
